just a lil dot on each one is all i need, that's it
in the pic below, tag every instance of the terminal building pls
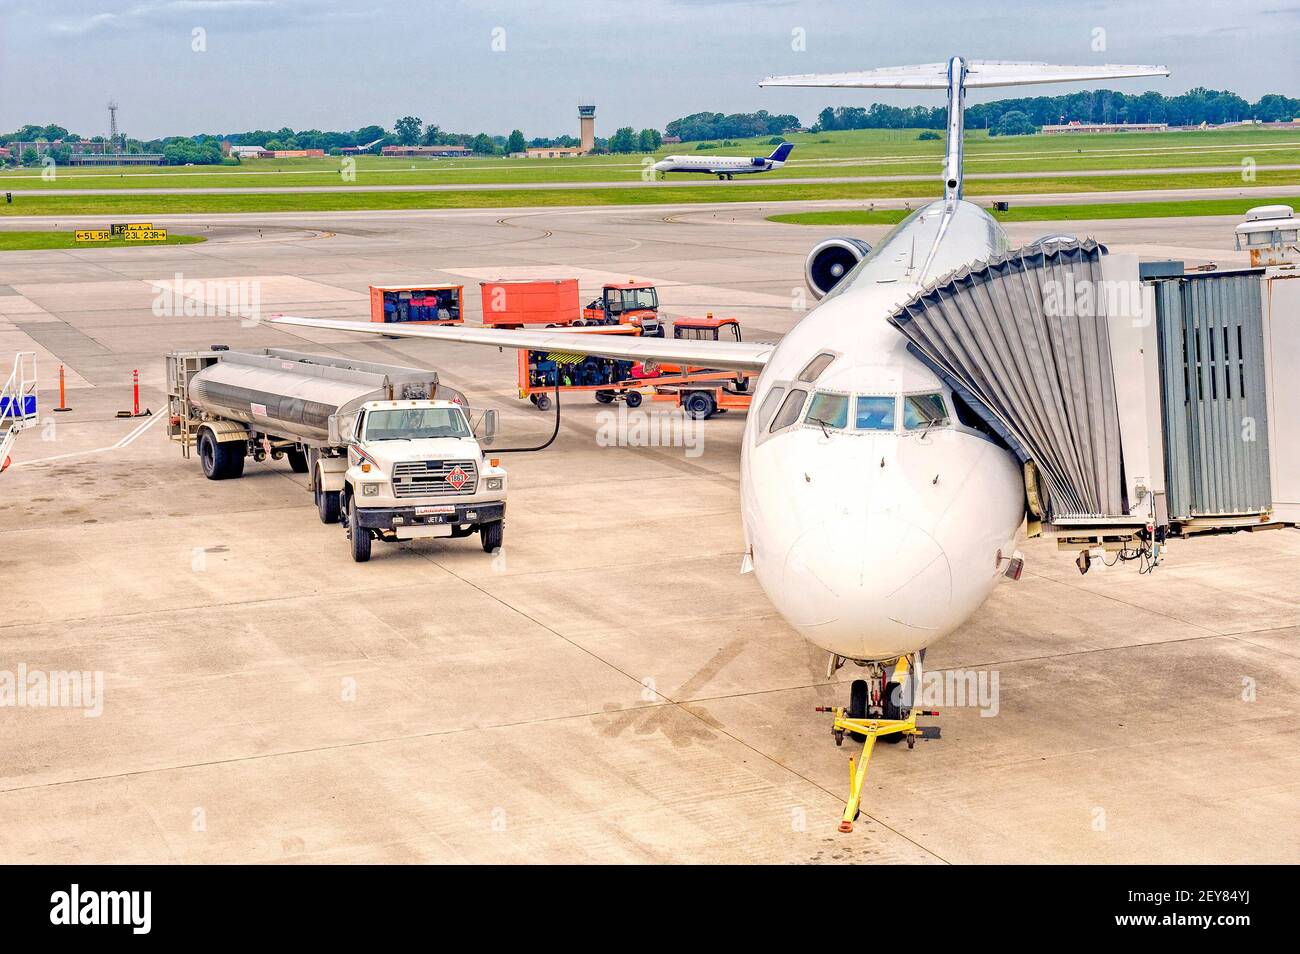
(88, 153)
(1078, 127)
(426, 152)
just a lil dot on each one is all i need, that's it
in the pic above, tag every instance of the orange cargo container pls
(417, 304)
(513, 304)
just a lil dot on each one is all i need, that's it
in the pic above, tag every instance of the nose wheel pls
(876, 710)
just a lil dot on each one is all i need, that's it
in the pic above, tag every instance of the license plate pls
(430, 511)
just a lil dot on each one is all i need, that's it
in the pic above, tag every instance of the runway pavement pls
(611, 688)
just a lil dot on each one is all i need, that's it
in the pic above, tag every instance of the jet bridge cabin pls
(1137, 406)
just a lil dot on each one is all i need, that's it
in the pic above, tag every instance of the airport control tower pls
(587, 127)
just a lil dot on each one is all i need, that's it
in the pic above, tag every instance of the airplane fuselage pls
(875, 526)
(718, 165)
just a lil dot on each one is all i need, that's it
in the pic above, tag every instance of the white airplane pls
(724, 167)
(878, 514)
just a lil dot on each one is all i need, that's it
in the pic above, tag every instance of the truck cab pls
(707, 328)
(629, 303)
(415, 470)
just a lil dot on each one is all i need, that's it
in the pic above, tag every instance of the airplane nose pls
(661, 165)
(865, 587)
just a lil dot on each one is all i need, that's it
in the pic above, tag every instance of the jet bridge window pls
(828, 410)
(813, 369)
(789, 413)
(924, 410)
(873, 413)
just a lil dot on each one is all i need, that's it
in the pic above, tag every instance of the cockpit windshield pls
(924, 410)
(828, 410)
(874, 412)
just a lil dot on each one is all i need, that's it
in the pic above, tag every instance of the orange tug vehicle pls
(554, 303)
(702, 392)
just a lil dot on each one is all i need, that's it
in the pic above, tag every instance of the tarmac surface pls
(609, 688)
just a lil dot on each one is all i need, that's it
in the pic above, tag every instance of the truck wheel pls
(699, 405)
(633, 398)
(327, 505)
(492, 534)
(297, 460)
(604, 397)
(220, 460)
(358, 537)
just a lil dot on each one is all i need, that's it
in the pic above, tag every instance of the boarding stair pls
(17, 403)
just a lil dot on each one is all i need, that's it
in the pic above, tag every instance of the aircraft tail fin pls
(780, 153)
(957, 76)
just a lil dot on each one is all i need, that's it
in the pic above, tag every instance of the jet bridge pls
(1136, 400)
(1039, 346)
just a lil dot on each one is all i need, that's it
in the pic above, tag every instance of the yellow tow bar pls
(871, 729)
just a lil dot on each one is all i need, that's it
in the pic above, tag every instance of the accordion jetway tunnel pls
(1044, 345)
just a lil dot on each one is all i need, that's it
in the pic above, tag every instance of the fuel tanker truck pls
(389, 452)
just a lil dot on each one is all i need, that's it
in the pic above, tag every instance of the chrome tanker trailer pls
(386, 448)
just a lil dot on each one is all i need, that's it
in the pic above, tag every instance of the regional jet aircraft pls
(724, 167)
(881, 489)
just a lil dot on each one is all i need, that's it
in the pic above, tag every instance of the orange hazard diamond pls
(457, 478)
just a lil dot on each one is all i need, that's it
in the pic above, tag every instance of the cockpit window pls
(828, 410)
(813, 369)
(769, 405)
(789, 413)
(924, 410)
(873, 413)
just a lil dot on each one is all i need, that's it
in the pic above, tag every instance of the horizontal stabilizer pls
(979, 74)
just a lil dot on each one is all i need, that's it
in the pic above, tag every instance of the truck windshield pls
(633, 299)
(415, 423)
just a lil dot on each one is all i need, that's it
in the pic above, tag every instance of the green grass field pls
(852, 153)
(177, 204)
(1041, 213)
(28, 241)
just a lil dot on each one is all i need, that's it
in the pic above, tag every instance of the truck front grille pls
(426, 478)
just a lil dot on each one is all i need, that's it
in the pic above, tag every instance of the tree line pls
(1191, 108)
(1001, 117)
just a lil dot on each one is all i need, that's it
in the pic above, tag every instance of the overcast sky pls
(341, 64)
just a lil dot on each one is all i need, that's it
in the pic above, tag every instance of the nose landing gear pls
(879, 708)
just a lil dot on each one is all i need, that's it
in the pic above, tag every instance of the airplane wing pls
(724, 355)
(979, 74)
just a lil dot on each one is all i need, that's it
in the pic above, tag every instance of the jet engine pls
(830, 261)
(1054, 238)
